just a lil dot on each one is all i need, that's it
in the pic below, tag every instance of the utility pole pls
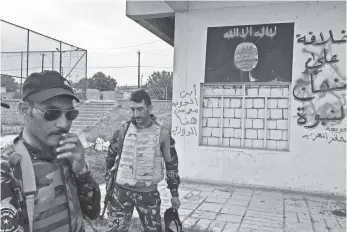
(166, 93)
(141, 79)
(138, 67)
(60, 59)
(21, 73)
(43, 61)
(28, 53)
(52, 60)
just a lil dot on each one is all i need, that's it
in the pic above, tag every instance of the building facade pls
(259, 93)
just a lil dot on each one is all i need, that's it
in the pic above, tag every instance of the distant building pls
(6, 96)
(123, 92)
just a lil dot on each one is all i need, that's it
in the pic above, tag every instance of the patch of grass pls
(106, 128)
(96, 163)
(114, 119)
(165, 119)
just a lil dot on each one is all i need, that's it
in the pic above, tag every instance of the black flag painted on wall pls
(249, 53)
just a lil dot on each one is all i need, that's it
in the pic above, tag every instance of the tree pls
(102, 82)
(98, 81)
(81, 84)
(159, 85)
(8, 82)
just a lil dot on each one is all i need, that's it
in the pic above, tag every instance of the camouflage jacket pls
(173, 179)
(61, 200)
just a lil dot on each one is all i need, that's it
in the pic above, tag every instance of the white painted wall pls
(309, 165)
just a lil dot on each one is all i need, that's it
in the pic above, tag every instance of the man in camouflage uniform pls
(66, 190)
(143, 149)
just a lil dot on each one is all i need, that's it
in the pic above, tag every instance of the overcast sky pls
(101, 27)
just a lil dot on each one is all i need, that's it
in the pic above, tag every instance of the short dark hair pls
(139, 95)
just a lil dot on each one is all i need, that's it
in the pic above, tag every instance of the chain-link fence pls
(24, 51)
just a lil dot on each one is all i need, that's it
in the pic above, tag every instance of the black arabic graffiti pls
(186, 110)
(192, 121)
(322, 61)
(190, 101)
(325, 136)
(336, 130)
(190, 131)
(190, 94)
(305, 93)
(180, 104)
(324, 87)
(177, 111)
(313, 42)
(302, 119)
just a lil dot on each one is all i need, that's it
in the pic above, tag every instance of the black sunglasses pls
(54, 114)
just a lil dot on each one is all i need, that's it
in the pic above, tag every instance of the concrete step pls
(101, 102)
(92, 110)
(95, 106)
(76, 130)
(78, 127)
(84, 119)
(90, 114)
(88, 123)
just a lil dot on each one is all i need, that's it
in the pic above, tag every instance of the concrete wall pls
(157, 104)
(311, 160)
(11, 117)
(93, 94)
(109, 95)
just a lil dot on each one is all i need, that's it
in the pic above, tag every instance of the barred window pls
(249, 115)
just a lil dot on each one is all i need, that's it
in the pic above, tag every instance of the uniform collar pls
(35, 152)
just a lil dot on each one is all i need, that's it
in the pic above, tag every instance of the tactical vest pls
(56, 203)
(141, 163)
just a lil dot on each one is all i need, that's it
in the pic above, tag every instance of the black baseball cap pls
(39, 87)
(5, 105)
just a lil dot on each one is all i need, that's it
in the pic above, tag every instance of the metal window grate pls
(251, 115)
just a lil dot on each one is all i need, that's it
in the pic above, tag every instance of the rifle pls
(109, 190)
(114, 169)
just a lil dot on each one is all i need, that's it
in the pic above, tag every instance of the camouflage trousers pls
(122, 204)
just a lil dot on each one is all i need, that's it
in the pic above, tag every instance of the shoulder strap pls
(115, 167)
(125, 133)
(28, 179)
(121, 148)
(126, 129)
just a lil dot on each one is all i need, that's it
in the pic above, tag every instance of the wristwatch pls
(174, 192)
(83, 176)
